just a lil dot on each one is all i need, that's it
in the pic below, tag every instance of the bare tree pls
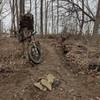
(0, 15)
(52, 14)
(79, 11)
(12, 6)
(57, 16)
(46, 16)
(17, 13)
(41, 17)
(73, 14)
(35, 15)
(82, 21)
(22, 7)
(30, 5)
(97, 22)
(0, 7)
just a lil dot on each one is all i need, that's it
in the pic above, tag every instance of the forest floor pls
(17, 77)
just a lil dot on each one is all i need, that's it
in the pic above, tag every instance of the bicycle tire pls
(32, 54)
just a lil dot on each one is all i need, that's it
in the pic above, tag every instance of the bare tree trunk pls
(14, 26)
(97, 22)
(57, 16)
(12, 5)
(0, 15)
(52, 15)
(35, 15)
(41, 17)
(82, 21)
(46, 16)
(1, 7)
(22, 7)
(17, 14)
(30, 5)
(0, 25)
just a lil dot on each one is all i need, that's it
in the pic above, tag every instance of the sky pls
(7, 20)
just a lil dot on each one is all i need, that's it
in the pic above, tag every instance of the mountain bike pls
(33, 48)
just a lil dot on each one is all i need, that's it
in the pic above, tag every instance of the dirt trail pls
(18, 77)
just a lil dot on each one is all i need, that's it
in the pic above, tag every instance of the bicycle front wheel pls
(34, 54)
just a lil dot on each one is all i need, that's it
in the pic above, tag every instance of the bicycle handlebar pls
(33, 33)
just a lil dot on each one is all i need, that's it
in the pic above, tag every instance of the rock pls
(56, 83)
(50, 78)
(38, 85)
(61, 89)
(46, 84)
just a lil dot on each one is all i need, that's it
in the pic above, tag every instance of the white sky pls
(7, 20)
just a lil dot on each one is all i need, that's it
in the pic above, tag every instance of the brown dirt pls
(18, 76)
